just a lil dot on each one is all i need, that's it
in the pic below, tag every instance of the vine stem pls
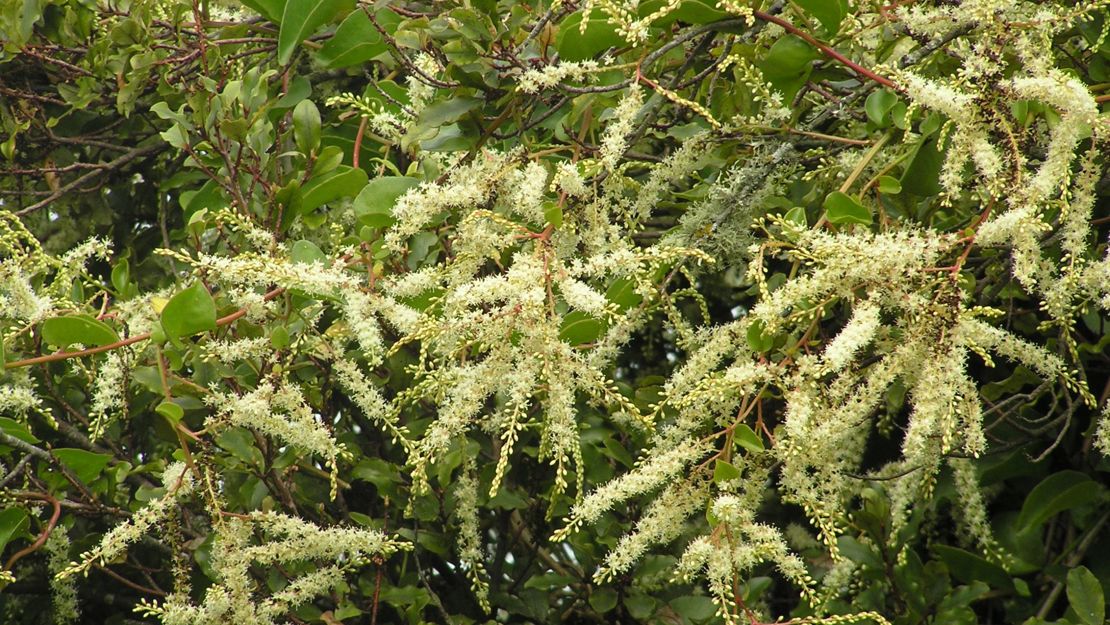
(826, 49)
(222, 321)
(41, 540)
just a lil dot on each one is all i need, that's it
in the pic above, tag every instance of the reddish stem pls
(222, 321)
(358, 142)
(828, 51)
(41, 540)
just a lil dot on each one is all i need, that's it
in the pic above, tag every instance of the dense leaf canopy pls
(582, 311)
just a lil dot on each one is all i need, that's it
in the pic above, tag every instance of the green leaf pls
(86, 465)
(343, 181)
(603, 599)
(170, 411)
(639, 605)
(378, 472)
(11, 427)
(306, 252)
(13, 522)
(579, 328)
(757, 340)
(241, 443)
(889, 185)
(1058, 492)
(922, 175)
(553, 214)
(724, 472)
(788, 64)
(841, 208)
(270, 9)
(446, 111)
(858, 552)
(189, 312)
(301, 18)
(575, 45)
(797, 216)
(279, 337)
(829, 12)
(622, 292)
(374, 204)
(121, 275)
(208, 196)
(306, 126)
(968, 567)
(878, 105)
(687, 11)
(62, 332)
(1086, 596)
(548, 582)
(695, 608)
(747, 438)
(356, 40)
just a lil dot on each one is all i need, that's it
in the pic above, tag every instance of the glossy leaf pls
(788, 64)
(969, 567)
(446, 111)
(343, 181)
(189, 312)
(306, 252)
(121, 275)
(603, 599)
(1056, 493)
(301, 18)
(747, 438)
(374, 204)
(841, 208)
(11, 427)
(86, 465)
(306, 126)
(889, 186)
(171, 411)
(575, 45)
(878, 105)
(922, 174)
(829, 12)
(724, 472)
(1086, 597)
(62, 332)
(758, 340)
(356, 40)
(13, 522)
(272, 9)
(696, 608)
(579, 328)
